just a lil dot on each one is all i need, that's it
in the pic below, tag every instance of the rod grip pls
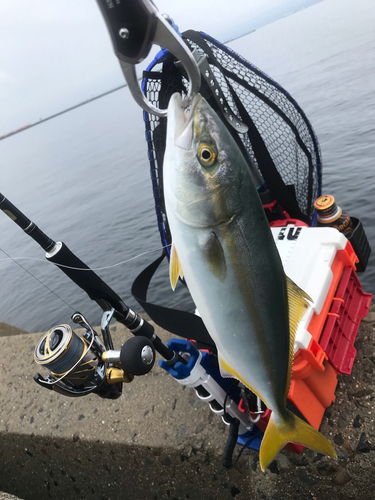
(85, 278)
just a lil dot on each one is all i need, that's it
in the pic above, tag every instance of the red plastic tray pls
(349, 306)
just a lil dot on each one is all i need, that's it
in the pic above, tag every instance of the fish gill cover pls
(280, 140)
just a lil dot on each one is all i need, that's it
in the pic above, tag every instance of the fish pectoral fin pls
(298, 303)
(174, 267)
(289, 428)
(214, 255)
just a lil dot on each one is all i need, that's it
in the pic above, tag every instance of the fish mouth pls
(181, 120)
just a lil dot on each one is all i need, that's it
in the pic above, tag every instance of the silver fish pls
(223, 246)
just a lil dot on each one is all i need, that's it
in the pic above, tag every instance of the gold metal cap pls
(324, 202)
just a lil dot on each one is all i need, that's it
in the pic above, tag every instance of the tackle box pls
(322, 262)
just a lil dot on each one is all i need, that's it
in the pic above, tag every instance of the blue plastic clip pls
(180, 371)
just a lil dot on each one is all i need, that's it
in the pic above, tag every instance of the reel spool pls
(75, 363)
(66, 355)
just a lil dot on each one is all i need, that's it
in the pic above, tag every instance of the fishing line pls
(251, 438)
(79, 268)
(37, 279)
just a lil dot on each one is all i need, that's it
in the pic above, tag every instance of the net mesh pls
(284, 128)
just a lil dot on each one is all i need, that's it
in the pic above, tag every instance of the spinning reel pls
(81, 365)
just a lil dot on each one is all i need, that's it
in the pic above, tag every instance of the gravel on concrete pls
(159, 441)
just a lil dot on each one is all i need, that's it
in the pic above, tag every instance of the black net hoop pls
(280, 142)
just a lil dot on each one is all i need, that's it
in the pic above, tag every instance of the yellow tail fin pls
(291, 429)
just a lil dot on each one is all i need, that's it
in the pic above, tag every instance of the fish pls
(223, 247)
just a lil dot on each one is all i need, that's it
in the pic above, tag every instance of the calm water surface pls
(83, 177)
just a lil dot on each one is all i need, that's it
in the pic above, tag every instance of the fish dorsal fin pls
(174, 268)
(298, 303)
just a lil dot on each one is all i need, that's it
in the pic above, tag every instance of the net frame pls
(283, 126)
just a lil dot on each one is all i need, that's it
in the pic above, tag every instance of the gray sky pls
(57, 53)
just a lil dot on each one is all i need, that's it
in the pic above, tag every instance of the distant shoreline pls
(42, 120)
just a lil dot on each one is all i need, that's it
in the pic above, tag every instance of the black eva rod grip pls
(85, 278)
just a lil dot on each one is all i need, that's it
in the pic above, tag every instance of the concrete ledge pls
(8, 330)
(159, 441)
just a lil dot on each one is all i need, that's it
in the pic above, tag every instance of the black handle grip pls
(88, 280)
(230, 443)
(98, 290)
(131, 25)
(137, 355)
(85, 278)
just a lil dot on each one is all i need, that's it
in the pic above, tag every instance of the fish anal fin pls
(227, 371)
(291, 429)
(298, 303)
(174, 267)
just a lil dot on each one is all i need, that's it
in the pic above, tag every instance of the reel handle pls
(137, 355)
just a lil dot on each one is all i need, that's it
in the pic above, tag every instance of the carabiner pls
(134, 26)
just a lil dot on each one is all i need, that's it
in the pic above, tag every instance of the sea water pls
(83, 177)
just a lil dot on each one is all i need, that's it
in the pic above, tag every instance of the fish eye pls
(206, 155)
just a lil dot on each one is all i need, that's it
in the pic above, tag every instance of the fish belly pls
(231, 318)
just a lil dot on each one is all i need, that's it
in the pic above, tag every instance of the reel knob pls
(137, 355)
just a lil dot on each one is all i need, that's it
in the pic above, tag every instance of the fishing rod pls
(80, 365)
(137, 355)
